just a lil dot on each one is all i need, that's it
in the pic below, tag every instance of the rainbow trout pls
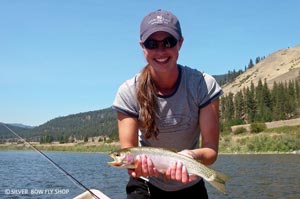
(163, 159)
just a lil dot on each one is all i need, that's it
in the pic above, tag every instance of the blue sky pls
(61, 57)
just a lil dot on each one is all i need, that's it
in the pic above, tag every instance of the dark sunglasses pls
(168, 42)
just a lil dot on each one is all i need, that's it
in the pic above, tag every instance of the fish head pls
(122, 159)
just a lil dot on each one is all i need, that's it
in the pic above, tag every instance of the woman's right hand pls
(144, 167)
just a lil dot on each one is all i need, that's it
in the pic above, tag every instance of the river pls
(27, 174)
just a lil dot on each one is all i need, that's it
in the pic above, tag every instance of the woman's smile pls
(162, 60)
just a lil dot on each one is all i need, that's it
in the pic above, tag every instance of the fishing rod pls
(73, 179)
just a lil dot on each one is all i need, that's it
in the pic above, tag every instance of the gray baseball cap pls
(160, 20)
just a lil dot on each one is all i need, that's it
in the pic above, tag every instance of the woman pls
(167, 105)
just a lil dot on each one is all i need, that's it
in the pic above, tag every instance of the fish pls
(163, 158)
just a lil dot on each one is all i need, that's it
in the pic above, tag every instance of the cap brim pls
(148, 33)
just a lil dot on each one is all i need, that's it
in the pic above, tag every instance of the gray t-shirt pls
(178, 113)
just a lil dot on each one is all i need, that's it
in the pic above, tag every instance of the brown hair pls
(147, 98)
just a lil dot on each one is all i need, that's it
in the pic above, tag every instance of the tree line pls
(79, 127)
(232, 74)
(100, 123)
(261, 104)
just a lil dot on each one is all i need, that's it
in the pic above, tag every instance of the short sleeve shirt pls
(178, 113)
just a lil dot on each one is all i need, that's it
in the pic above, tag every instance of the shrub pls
(257, 127)
(239, 130)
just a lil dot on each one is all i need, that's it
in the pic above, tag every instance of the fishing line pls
(73, 179)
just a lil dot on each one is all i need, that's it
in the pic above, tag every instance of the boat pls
(88, 195)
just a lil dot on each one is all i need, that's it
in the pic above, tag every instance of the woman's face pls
(162, 58)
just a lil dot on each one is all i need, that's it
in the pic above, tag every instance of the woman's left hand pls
(178, 171)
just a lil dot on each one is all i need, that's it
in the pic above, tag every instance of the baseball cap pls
(160, 20)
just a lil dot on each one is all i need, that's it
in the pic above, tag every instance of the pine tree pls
(291, 105)
(267, 116)
(250, 65)
(259, 101)
(257, 60)
(250, 103)
(297, 95)
(239, 106)
(279, 98)
(228, 107)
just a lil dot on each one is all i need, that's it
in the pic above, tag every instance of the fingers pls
(185, 175)
(144, 167)
(177, 171)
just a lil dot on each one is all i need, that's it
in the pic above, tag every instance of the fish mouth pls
(122, 165)
(114, 163)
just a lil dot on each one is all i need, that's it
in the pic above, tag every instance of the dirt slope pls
(282, 65)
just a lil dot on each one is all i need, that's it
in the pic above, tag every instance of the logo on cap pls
(159, 20)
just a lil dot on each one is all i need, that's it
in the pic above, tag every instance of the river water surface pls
(27, 174)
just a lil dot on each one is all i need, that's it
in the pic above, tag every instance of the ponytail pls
(147, 98)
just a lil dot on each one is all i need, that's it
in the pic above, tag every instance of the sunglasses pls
(168, 42)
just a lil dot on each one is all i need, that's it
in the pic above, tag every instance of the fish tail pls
(219, 181)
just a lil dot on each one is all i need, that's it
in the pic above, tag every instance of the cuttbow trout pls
(163, 159)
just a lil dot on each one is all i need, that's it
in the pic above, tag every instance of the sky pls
(62, 57)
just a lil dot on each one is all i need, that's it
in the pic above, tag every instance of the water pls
(269, 176)
(29, 175)
(22, 172)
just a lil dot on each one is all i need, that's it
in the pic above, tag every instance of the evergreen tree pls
(267, 113)
(279, 100)
(257, 60)
(259, 101)
(250, 103)
(250, 65)
(239, 106)
(291, 105)
(297, 94)
(228, 108)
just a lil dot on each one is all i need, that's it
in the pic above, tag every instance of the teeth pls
(162, 60)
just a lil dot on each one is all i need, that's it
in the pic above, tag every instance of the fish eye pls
(114, 153)
(117, 154)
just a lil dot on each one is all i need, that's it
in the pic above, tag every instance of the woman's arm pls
(210, 130)
(128, 135)
(128, 130)
(207, 154)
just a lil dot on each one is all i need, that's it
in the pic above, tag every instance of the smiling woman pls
(167, 105)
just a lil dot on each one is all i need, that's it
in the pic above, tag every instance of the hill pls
(5, 133)
(282, 65)
(81, 125)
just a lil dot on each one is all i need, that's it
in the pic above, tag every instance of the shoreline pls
(56, 147)
(105, 148)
